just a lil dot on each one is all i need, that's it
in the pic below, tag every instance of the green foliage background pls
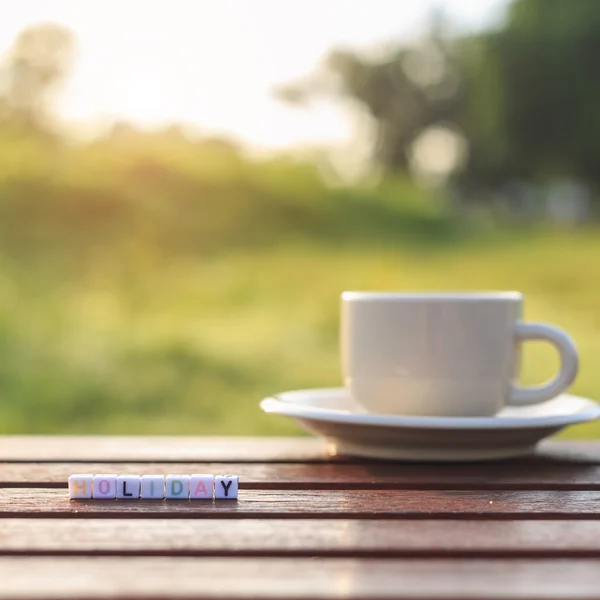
(153, 285)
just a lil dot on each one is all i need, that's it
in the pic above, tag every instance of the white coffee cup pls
(447, 354)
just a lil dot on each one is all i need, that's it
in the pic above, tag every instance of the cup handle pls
(569, 364)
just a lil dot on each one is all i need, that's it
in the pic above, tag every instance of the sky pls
(214, 63)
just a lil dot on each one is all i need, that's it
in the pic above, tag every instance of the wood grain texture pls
(355, 504)
(300, 537)
(33, 448)
(128, 578)
(308, 523)
(217, 449)
(525, 474)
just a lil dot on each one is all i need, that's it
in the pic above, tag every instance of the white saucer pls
(513, 432)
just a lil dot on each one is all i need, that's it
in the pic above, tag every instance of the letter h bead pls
(80, 486)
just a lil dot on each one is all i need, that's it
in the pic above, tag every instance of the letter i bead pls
(80, 486)
(153, 487)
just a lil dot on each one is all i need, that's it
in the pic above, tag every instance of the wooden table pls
(307, 524)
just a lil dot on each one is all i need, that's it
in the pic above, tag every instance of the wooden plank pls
(217, 449)
(300, 537)
(527, 474)
(128, 578)
(376, 504)
(163, 448)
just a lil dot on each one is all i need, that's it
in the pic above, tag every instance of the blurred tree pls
(405, 92)
(35, 65)
(536, 93)
(524, 96)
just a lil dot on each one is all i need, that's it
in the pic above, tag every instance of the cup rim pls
(474, 296)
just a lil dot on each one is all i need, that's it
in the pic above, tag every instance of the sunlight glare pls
(214, 64)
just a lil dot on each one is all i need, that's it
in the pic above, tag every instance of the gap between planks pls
(301, 538)
(507, 475)
(353, 579)
(356, 504)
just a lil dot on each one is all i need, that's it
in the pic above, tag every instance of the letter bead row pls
(153, 487)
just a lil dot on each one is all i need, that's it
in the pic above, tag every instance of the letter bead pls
(152, 487)
(80, 486)
(226, 487)
(128, 487)
(105, 487)
(201, 486)
(177, 487)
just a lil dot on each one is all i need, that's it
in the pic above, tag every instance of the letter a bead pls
(177, 487)
(80, 486)
(226, 487)
(201, 487)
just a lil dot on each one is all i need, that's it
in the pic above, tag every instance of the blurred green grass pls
(156, 286)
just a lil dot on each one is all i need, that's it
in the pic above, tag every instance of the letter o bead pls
(105, 487)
